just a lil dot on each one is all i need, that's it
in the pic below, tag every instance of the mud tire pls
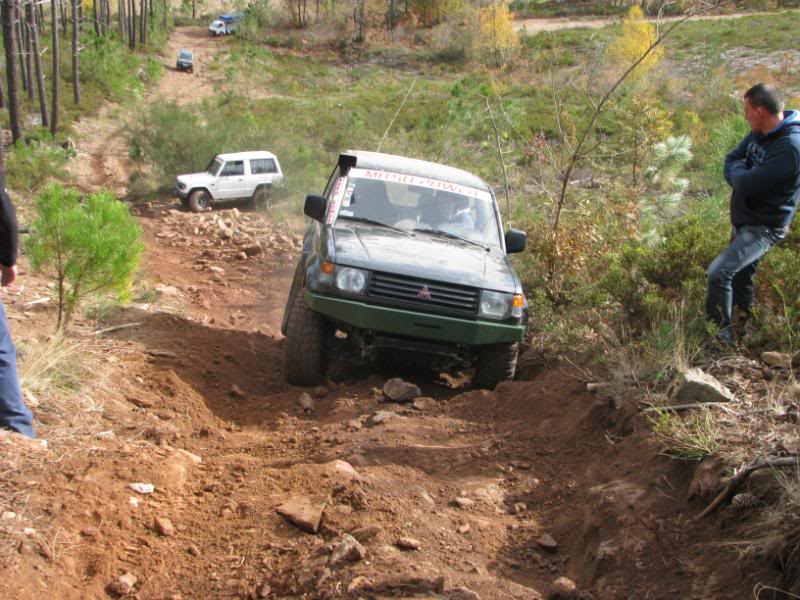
(260, 198)
(297, 284)
(496, 363)
(304, 360)
(200, 201)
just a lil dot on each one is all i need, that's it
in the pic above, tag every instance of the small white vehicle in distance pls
(231, 177)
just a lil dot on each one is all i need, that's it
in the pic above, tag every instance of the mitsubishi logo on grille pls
(424, 293)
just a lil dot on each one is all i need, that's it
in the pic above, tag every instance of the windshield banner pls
(433, 184)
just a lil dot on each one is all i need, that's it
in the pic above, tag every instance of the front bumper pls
(412, 324)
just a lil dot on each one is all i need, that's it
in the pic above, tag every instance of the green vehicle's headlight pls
(351, 280)
(495, 305)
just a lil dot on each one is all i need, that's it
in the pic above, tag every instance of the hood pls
(423, 256)
(196, 178)
(789, 125)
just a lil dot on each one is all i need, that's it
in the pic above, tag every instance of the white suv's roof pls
(246, 155)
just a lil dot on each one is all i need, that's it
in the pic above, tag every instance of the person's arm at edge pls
(738, 154)
(779, 166)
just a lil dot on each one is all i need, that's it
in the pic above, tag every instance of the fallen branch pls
(765, 462)
(117, 328)
(679, 407)
(402, 104)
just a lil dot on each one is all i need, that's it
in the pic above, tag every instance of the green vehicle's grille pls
(425, 295)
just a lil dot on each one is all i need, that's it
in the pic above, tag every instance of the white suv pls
(238, 176)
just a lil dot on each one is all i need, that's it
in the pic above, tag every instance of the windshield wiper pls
(374, 222)
(452, 235)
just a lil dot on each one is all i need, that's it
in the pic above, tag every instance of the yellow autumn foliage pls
(636, 37)
(497, 38)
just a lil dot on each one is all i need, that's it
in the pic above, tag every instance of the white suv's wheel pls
(200, 200)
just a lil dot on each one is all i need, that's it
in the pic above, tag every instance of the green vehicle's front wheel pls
(496, 363)
(305, 359)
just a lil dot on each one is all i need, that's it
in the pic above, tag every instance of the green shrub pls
(93, 246)
(109, 65)
(35, 161)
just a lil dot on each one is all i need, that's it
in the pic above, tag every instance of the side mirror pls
(315, 207)
(515, 241)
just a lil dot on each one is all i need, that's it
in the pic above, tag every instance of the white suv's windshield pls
(214, 166)
(419, 205)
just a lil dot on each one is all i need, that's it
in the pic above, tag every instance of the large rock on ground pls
(303, 512)
(697, 387)
(397, 390)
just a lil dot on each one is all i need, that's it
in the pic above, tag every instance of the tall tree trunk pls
(63, 15)
(76, 74)
(28, 49)
(20, 46)
(133, 24)
(94, 17)
(143, 23)
(33, 25)
(165, 16)
(121, 17)
(194, 9)
(56, 70)
(9, 42)
(2, 95)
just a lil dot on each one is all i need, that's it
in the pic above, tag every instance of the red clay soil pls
(551, 481)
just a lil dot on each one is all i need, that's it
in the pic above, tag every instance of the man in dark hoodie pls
(764, 172)
(14, 414)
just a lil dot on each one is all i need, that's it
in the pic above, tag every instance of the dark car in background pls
(185, 60)
(404, 256)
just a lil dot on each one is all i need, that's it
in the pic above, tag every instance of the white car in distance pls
(231, 177)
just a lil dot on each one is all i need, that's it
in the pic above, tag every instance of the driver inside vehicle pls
(445, 210)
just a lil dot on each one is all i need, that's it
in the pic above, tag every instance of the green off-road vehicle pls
(405, 258)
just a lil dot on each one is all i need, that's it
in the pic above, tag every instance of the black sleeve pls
(9, 235)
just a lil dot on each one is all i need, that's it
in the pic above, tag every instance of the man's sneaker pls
(725, 337)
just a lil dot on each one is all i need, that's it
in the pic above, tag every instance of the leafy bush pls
(35, 161)
(108, 64)
(93, 246)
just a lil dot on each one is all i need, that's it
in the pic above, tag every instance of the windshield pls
(185, 55)
(417, 204)
(214, 166)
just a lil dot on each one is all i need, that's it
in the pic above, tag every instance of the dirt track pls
(532, 26)
(479, 479)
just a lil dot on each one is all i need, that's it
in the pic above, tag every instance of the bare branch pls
(385, 133)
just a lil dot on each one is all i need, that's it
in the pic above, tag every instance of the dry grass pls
(691, 437)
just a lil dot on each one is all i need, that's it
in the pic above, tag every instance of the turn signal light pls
(327, 268)
(519, 301)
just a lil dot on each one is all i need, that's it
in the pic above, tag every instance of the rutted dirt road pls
(459, 495)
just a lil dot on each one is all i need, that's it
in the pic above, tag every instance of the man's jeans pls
(730, 275)
(13, 412)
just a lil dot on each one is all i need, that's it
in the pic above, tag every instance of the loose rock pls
(163, 526)
(695, 386)
(320, 391)
(364, 534)
(706, 482)
(547, 542)
(397, 390)
(306, 403)
(407, 543)
(381, 416)
(303, 512)
(463, 502)
(562, 588)
(123, 585)
(348, 550)
(777, 359)
(236, 391)
(142, 488)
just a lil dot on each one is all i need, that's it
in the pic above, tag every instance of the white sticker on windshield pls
(346, 213)
(434, 184)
